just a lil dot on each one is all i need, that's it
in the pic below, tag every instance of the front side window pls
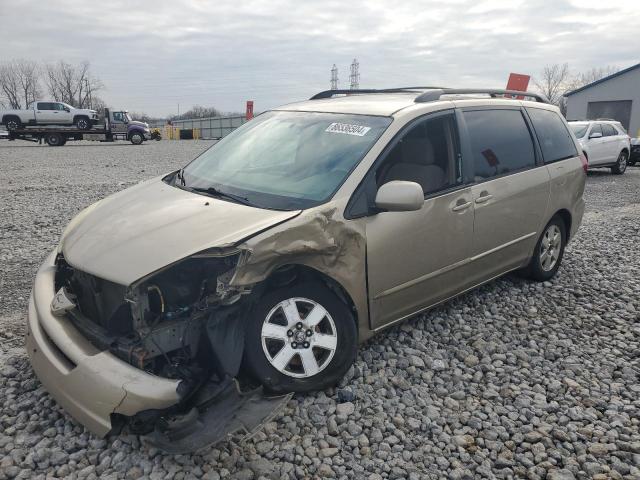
(554, 138)
(579, 129)
(58, 106)
(118, 116)
(596, 128)
(286, 160)
(608, 130)
(426, 154)
(500, 141)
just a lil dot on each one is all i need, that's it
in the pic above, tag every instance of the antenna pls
(334, 77)
(354, 78)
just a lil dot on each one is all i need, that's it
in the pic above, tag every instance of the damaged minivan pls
(189, 305)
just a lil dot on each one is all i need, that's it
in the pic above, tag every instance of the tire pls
(83, 123)
(136, 138)
(537, 270)
(284, 359)
(12, 123)
(621, 164)
(54, 140)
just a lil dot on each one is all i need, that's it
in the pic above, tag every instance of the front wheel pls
(300, 338)
(83, 123)
(548, 253)
(621, 164)
(136, 138)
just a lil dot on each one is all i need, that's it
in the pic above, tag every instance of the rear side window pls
(554, 137)
(596, 129)
(500, 141)
(608, 130)
(45, 106)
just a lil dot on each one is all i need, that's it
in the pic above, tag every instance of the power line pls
(334, 77)
(354, 78)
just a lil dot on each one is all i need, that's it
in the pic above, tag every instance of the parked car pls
(49, 113)
(305, 231)
(634, 157)
(605, 143)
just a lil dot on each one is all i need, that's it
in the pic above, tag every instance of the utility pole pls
(354, 78)
(334, 77)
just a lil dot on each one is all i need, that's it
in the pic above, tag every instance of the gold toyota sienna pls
(186, 307)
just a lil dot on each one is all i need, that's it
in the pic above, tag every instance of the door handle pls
(484, 197)
(461, 206)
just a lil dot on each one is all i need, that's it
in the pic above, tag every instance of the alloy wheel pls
(299, 337)
(550, 247)
(622, 162)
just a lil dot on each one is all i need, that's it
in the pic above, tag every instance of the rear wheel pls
(621, 164)
(549, 251)
(300, 338)
(54, 140)
(83, 123)
(12, 123)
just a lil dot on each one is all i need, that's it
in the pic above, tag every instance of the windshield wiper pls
(214, 192)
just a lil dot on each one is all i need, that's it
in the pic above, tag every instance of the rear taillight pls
(585, 162)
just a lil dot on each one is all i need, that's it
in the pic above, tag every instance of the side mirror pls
(66, 109)
(595, 135)
(400, 196)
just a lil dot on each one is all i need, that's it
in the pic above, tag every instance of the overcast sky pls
(154, 55)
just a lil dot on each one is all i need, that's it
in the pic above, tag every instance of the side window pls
(595, 129)
(59, 106)
(500, 142)
(45, 106)
(552, 132)
(608, 130)
(118, 117)
(427, 153)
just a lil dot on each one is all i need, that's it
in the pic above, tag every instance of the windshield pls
(286, 160)
(579, 129)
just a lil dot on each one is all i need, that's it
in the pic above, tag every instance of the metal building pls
(616, 96)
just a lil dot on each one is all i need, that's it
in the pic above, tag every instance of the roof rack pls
(331, 93)
(435, 95)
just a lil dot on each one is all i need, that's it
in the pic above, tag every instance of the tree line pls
(557, 79)
(24, 81)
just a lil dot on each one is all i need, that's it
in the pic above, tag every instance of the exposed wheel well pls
(566, 218)
(78, 117)
(287, 274)
(6, 118)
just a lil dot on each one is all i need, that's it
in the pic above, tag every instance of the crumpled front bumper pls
(88, 383)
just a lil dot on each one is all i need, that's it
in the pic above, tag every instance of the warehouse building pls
(616, 96)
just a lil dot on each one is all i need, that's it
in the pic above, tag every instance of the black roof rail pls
(435, 95)
(331, 93)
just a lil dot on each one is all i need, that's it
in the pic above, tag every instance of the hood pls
(138, 124)
(146, 227)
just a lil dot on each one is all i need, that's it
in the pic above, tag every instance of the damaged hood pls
(146, 227)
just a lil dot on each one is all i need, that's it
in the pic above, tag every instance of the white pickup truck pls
(49, 113)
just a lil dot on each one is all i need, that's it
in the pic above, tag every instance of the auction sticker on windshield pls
(348, 129)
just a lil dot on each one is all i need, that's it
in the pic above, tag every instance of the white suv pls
(605, 143)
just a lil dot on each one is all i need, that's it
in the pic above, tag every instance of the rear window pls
(555, 140)
(500, 141)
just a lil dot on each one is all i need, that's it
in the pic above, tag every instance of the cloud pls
(153, 56)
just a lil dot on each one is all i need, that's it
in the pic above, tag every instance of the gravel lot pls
(513, 380)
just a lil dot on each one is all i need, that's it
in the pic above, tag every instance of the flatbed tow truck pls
(117, 126)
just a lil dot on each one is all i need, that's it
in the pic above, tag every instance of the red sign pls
(249, 113)
(519, 82)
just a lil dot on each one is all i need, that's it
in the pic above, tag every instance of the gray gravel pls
(513, 380)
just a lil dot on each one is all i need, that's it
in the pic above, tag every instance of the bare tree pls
(197, 111)
(72, 84)
(553, 82)
(590, 76)
(19, 83)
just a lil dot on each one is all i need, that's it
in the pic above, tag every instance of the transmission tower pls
(354, 78)
(334, 77)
